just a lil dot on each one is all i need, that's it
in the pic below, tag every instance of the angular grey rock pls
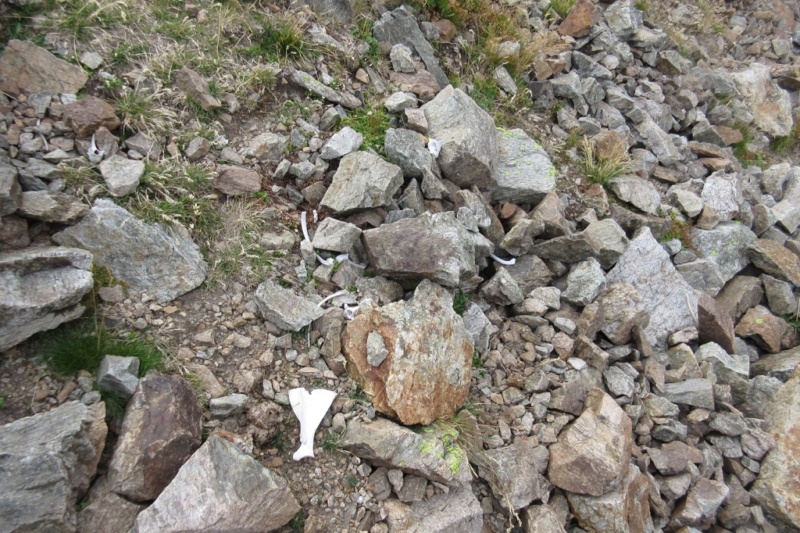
(119, 375)
(42, 288)
(400, 101)
(702, 275)
(158, 258)
(671, 302)
(608, 241)
(197, 149)
(122, 175)
(237, 181)
(196, 89)
(779, 365)
(501, 469)
(228, 491)
(343, 142)
(46, 465)
(379, 289)
(725, 365)
(725, 247)
(107, 510)
(430, 246)
(427, 372)
(787, 211)
(567, 85)
(542, 519)
(267, 146)
(336, 236)
(624, 509)
(376, 349)
(306, 81)
(697, 392)
(618, 382)
(10, 190)
(638, 192)
(530, 272)
(146, 145)
(363, 181)
(468, 137)
(400, 27)
(401, 58)
(502, 289)
(49, 206)
(623, 308)
(33, 68)
(593, 454)
(456, 511)
(406, 149)
(722, 193)
(689, 202)
(657, 141)
(775, 259)
(161, 429)
(423, 454)
(339, 10)
(523, 170)
(479, 328)
(699, 509)
(585, 281)
(229, 405)
(770, 105)
(284, 308)
(623, 18)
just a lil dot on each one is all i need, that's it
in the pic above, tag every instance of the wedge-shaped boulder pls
(42, 288)
(467, 134)
(457, 511)
(162, 428)
(421, 453)
(220, 489)
(512, 472)
(362, 181)
(47, 462)
(430, 246)
(427, 370)
(593, 454)
(37, 70)
(671, 302)
(524, 172)
(284, 308)
(158, 258)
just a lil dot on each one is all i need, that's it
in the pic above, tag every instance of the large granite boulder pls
(363, 181)
(430, 246)
(467, 134)
(220, 489)
(42, 288)
(523, 170)
(593, 454)
(161, 429)
(671, 302)
(47, 462)
(158, 258)
(426, 368)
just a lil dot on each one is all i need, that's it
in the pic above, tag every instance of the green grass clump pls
(460, 301)
(372, 124)
(602, 167)
(331, 441)
(280, 41)
(741, 151)
(562, 7)
(80, 17)
(82, 346)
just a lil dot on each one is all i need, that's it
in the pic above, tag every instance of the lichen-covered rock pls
(284, 308)
(523, 170)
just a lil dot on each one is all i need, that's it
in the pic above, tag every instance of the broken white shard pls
(434, 147)
(310, 409)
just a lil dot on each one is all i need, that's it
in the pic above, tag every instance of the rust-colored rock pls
(427, 370)
(161, 429)
(447, 30)
(580, 19)
(27, 66)
(87, 115)
(423, 84)
(766, 329)
(776, 260)
(235, 181)
(714, 323)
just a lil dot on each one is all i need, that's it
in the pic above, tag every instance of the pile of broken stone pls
(622, 382)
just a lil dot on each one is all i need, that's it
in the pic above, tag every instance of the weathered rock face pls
(424, 454)
(777, 487)
(776, 260)
(362, 181)
(427, 371)
(457, 511)
(159, 259)
(50, 206)
(523, 170)
(161, 429)
(284, 308)
(107, 510)
(671, 302)
(512, 472)
(467, 134)
(37, 70)
(625, 509)
(42, 288)
(220, 489)
(770, 104)
(235, 181)
(46, 465)
(435, 247)
(591, 456)
(700, 506)
(85, 116)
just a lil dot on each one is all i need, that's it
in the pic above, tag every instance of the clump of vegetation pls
(281, 40)
(562, 7)
(680, 229)
(142, 111)
(460, 301)
(602, 167)
(331, 441)
(371, 123)
(79, 17)
(743, 153)
(782, 145)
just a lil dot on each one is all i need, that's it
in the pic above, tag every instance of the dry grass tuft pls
(602, 167)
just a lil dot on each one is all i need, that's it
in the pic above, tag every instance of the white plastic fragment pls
(304, 225)
(434, 147)
(315, 216)
(310, 409)
(507, 262)
(93, 154)
(326, 262)
(342, 292)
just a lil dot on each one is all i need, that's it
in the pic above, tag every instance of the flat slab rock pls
(362, 181)
(158, 258)
(220, 489)
(33, 68)
(523, 170)
(42, 288)
(671, 302)
(457, 511)
(427, 370)
(284, 308)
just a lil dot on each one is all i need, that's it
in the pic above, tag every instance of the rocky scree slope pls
(624, 363)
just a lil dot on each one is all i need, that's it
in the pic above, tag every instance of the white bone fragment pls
(310, 409)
